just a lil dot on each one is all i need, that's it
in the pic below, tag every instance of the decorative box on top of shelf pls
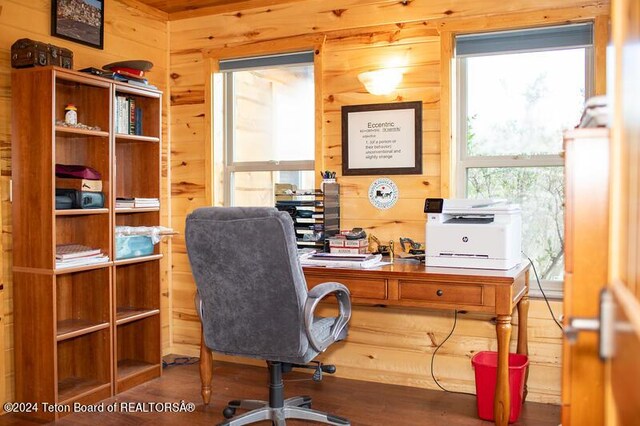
(316, 214)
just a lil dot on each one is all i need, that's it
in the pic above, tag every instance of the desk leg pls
(523, 342)
(501, 403)
(206, 371)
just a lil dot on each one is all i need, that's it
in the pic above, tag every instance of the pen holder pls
(326, 181)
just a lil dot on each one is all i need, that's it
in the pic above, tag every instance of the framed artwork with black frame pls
(81, 21)
(382, 139)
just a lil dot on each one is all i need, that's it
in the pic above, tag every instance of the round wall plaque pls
(383, 193)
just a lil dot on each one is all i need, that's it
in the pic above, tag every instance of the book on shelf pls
(123, 203)
(128, 117)
(74, 251)
(82, 261)
(89, 185)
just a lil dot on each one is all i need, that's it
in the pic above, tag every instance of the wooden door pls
(597, 392)
(586, 259)
(623, 371)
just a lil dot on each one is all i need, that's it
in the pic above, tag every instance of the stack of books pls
(124, 203)
(128, 116)
(341, 245)
(73, 255)
(136, 202)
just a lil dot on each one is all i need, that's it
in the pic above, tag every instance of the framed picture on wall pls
(81, 21)
(382, 139)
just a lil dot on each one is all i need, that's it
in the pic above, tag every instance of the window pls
(268, 108)
(517, 91)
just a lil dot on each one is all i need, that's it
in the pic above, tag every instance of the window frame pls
(231, 166)
(553, 289)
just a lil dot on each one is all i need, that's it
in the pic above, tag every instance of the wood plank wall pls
(132, 31)
(386, 345)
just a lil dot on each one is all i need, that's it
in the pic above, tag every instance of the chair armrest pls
(314, 297)
(199, 305)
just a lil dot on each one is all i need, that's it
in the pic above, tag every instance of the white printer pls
(483, 234)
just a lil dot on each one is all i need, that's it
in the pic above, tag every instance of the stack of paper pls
(596, 113)
(124, 203)
(146, 202)
(72, 255)
(333, 260)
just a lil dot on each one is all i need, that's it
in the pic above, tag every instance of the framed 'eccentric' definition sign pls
(382, 139)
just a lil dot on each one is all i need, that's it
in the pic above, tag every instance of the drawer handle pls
(439, 292)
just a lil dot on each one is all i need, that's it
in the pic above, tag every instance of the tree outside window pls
(513, 108)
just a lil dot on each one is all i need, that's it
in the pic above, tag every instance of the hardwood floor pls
(362, 402)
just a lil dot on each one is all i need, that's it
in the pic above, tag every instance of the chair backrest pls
(246, 268)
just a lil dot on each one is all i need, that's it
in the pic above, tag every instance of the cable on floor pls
(542, 291)
(181, 360)
(433, 357)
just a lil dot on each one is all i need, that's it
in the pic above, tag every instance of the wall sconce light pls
(381, 82)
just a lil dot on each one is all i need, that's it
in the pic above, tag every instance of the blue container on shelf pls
(128, 246)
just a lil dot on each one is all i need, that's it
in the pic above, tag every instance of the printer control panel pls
(433, 205)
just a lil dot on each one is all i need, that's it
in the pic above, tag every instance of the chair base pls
(294, 408)
(277, 409)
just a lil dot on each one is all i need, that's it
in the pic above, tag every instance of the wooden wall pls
(387, 345)
(132, 31)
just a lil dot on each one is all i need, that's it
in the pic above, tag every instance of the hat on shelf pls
(133, 68)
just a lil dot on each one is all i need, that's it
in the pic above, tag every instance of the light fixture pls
(381, 82)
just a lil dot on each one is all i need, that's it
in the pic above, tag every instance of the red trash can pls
(485, 365)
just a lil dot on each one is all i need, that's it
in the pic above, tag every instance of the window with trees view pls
(267, 105)
(517, 92)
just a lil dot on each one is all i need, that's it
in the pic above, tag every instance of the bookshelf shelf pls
(126, 315)
(79, 303)
(71, 328)
(75, 388)
(138, 138)
(133, 260)
(82, 268)
(81, 212)
(129, 210)
(128, 368)
(61, 130)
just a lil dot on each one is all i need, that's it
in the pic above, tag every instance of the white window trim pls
(553, 289)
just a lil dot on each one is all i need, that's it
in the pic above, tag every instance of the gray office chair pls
(253, 301)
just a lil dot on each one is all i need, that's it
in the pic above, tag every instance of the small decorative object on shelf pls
(77, 126)
(71, 115)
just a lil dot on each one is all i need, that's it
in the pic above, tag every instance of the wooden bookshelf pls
(77, 328)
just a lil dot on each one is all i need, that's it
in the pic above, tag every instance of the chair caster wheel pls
(229, 412)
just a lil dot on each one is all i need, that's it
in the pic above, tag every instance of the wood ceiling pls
(178, 9)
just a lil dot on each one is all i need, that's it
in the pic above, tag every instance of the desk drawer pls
(441, 292)
(363, 288)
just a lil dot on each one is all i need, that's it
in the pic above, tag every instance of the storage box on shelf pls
(66, 320)
(316, 215)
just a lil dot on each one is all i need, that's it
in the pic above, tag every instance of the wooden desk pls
(411, 284)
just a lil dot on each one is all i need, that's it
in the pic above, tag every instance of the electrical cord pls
(542, 291)
(182, 360)
(433, 357)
